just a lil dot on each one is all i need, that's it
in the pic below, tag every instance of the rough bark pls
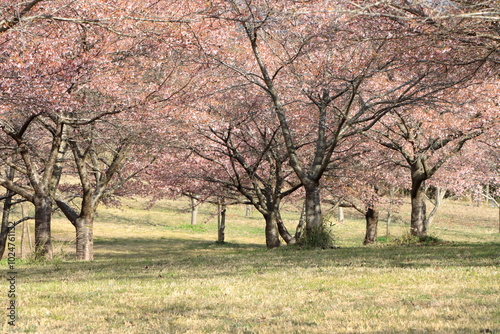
(84, 224)
(221, 226)
(42, 183)
(3, 242)
(43, 216)
(84, 239)
(371, 226)
(289, 239)
(272, 232)
(417, 194)
(68, 211)
(418, 212)
(313, 206)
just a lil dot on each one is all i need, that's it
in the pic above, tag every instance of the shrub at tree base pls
(319, 237)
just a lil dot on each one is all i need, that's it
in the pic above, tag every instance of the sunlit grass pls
(154, 273)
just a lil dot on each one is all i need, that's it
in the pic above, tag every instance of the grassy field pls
(154, 273)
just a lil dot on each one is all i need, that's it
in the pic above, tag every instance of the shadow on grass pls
(165, 258)
(157, 247)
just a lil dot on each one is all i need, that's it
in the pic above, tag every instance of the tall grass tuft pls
(411, 240)
(319, 237)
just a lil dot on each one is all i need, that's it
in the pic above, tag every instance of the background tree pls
(362, 177)
(243, 150)
(426, 138)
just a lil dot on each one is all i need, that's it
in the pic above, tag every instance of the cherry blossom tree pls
(243, 151)
(329, 75)
(35, 109)
(96, 166)
(428, 137)
(64, 70)
(470, 37)
(41, 171)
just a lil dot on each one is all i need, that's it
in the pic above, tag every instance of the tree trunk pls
(221, 223)
(289, 239)
(437, 201)
(194, 210)
(7, 204)
(417, 194)
(371, 226)
(487, 192)
(248, 210)
(85, 238)
(272, 232)
(388, 223)
(299, 231)
(84, 226)
(313, 207)
(341, 215)
(43, 216)
(418, 212)
(389, 212)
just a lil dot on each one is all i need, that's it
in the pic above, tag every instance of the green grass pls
(155, 273)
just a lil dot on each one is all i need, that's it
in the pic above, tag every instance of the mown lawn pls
(154, 273)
